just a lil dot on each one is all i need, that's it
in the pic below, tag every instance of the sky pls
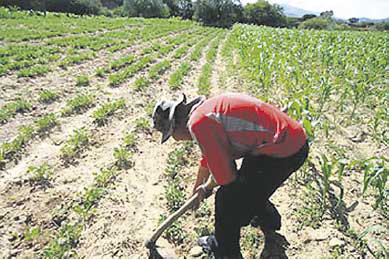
(375, 9)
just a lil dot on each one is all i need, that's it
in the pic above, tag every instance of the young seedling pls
(78, 104)
(40, 174)
(123, 157)
(82, 80)
(141, 83)
(105, 111)
(44, 124)
(77, 142)
(47, 96)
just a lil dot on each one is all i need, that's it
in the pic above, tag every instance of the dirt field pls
(104, 199)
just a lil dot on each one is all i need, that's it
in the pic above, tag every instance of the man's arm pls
(202, 176)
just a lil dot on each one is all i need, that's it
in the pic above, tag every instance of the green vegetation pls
(12, 108)
(47, 96)
(40, 173)
(123, 157)
(78, 104)
(158, 69)
(61, 247)
(12, 149)
(177, 77)
(82, 80)
(76, 144)
(101, 115)
(141, 83)
(45, 123)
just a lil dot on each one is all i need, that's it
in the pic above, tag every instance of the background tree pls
(327, 14)
(222, 13)
(264, 13)
(145, 8)
(353, 20)
(308, 16)
(182, 8)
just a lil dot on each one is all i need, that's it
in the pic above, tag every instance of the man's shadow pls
(275, 246)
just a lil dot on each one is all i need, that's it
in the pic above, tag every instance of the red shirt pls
(230, 126)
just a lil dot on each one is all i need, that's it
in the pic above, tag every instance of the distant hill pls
(293, 11)
(368, 20)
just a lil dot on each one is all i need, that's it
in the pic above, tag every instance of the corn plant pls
(375, 177)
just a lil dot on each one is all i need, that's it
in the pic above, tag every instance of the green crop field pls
(83, 174)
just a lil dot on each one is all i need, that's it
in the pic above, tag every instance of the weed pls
(100, 72)
(174, 233)
(311, 212)
(175, 196)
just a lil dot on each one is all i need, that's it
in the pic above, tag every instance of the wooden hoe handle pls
(173, 217)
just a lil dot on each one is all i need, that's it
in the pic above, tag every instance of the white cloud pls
(377, 9)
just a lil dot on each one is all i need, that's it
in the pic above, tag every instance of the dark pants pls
(239, 202)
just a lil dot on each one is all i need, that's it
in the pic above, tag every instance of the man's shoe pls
(208, 243)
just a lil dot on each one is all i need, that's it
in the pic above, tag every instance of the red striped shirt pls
(230, 126)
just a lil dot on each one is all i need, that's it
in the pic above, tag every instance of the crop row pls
(176, 78)
(158, 69)
(16, 57)
(204, 81)
(35, 27)
(149, 56)
(81, 102)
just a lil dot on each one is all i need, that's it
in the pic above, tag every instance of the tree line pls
(220, 13)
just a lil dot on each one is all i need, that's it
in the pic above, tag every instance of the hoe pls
(150, 243)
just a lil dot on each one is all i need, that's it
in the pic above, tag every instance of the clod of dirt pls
(335, 242)
(195, 251)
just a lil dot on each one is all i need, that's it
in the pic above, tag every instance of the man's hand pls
(203, 192)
